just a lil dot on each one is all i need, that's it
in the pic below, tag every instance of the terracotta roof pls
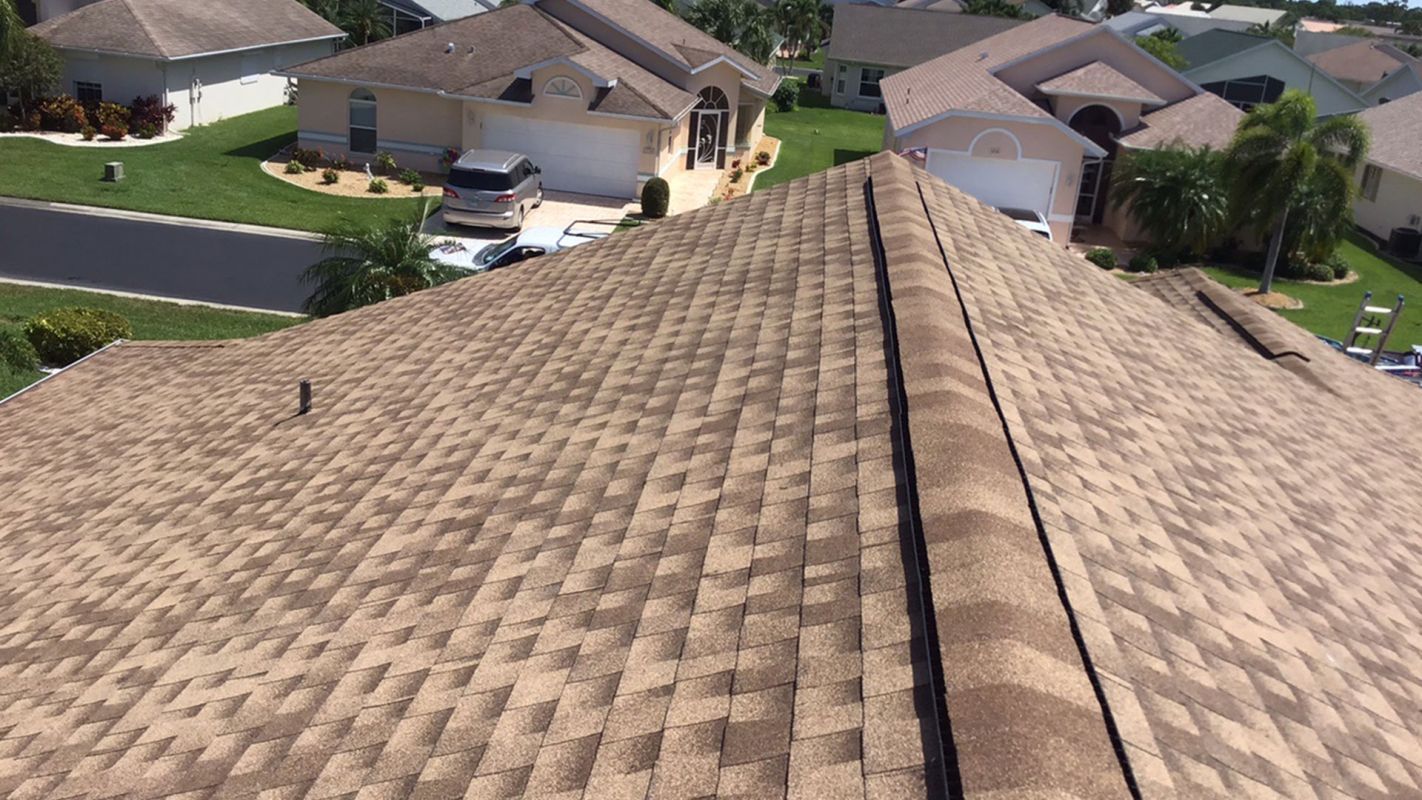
(1205, 119)
(502, 41)
(961, 80)
(1099, 79)
(675, 37)
(903, 37)
(1365, 62)
(167, 29)
(818, 492)
(1395, 143)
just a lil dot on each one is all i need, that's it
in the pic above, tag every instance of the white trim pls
(610, 115)
(724, 60)
(1092, 148)
(1145, 101)
(410, 147)
(1061, 218)
(576, 94)
(318, 136)
(597, 80)
(1119, 118)
(974, 143)
(1056, 168)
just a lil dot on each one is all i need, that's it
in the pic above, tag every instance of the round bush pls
(16, 352)
(378, 186)
(786, 95)
(65, 335)
(1103, 257)
(656, 197)
(1142, 263)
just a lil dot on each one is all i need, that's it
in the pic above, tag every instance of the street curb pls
(160, 219)
(180, 301)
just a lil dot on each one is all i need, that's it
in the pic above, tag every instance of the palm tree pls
(800, 24)
(742, 24)
(1176, 194)
(365, 265)
(994, 8)
(1283, 30)
(1282, 157)
(366, 21)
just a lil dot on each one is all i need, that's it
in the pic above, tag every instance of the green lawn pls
(151, 319)
(815, 137)
(1328, 310)
(213, 172)
(815, 61)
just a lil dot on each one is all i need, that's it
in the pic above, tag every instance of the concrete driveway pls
(559, 210)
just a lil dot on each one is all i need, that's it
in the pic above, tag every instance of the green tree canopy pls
(743, 24)
(1177, 195)
(30, 67)
(1162, 49)
(365, 265)
(994, 8)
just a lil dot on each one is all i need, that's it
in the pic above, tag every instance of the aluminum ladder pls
(1378, 324)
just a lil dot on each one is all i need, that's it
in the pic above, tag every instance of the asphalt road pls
(188, 262)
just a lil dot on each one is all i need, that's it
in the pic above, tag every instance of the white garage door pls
(574, 158)
(997, 181)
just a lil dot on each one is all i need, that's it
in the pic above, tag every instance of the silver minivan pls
(492, 188)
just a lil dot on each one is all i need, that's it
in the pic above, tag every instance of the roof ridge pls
(1018, 674)
(147, 31)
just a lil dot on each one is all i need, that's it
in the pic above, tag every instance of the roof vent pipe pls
(449, 48)
(304, 403)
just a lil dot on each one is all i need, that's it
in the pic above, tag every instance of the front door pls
(708, 139)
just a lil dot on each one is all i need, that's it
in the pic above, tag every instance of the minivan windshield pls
(494, 252)
(480, 180)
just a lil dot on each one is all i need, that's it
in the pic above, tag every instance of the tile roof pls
(945, 6)
(962, 79)
(1099, 79)
(165, 29)
(1394, 127)
(763, 499)
(903, 37)
(674, 36)
(502, 42)
(1365, 62)
(1214, 45)
(1203, 120)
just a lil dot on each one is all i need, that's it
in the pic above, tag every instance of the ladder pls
(1379, 323)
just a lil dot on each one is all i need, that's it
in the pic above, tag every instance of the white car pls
(531, 243)
(1031, 220)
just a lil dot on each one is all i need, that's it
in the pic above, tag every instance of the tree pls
(994, 8)
(365, 21)
(1176, 194)
(10, 26)
(1162, 49)
(30, 67)
(1283, 30)
(800, 24)
(742, 24)
(1285, 161)
(365, 265)
(1354, 30)
(1115, 8)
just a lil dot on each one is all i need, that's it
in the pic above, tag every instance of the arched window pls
(563, 87)
(363, 136)
(712, 99)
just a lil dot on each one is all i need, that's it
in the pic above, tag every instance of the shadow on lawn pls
(846, 156)
(264, 149)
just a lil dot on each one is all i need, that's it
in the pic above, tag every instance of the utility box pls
(113, 171)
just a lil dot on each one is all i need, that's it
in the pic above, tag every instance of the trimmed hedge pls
(1103, 257)
(656, 198)
(16, 352)
(65, 335)
(786, 95)
(1143, 262)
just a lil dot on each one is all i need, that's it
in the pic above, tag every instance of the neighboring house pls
(412, 15)
(1362, 64)
(1317, 35)
(48, 9)
(1390, 182)
(29, 14)
(1137, 23)
(601, 94)
(1248, 70)
(1033, 117)
(1401, 82)
(1032, 8)
(869, 43)
(209, 60)
(849, 488)
(1190, 22)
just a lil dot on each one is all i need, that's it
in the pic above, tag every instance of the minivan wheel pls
(518, 219)
(538, 201)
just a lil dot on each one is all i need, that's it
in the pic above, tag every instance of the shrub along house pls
(601, 94)
(209, 60)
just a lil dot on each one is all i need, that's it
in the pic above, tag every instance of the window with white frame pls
(869, 82)
(563, 87)
(88, 92)
(1372, 176)
(363, 137)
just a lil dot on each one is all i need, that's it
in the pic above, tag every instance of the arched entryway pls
(710, 120)
(1101, 124)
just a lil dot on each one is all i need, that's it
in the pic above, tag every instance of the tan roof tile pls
(1393, 127)
(903, 37)
(1364, 62)
(1202, 120)
(1099, 79)
(165, 29)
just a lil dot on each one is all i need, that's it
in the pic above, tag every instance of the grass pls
(151, 319)
(1328, 310)
(213, 172)
(816, 136)
(815, 61)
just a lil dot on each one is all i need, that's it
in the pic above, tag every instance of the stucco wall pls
(999, 139)
(1399, 84)
(123, 79)
(1279, 63)
(1105, 47)
(415, 127)
(850, 98)
(1399, 198)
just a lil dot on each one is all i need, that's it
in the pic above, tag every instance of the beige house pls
(1033, 118)
(601, 94)
(1390, 182)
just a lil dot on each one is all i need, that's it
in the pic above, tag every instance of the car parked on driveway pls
(531, 243)
(492, 188)
(1031, 220)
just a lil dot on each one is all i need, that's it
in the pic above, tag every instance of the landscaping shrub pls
(762, 158)
(342, 161)
(307, 158)
(62, 113)
(378, 186)
(736, 175)
(1166, 258)
(1310, 271)
(16, 352)
(150, 117)
(65, 335)
(9, 121)
(294, 168)
(656, 197)
(113, 120)
(89, 133)
(1338, 266)
(409, 176)
(447, 160)
(1142, 262)
(417, 187)
(385, 162)
(1103, 257)
(786, 96)
(330, 176)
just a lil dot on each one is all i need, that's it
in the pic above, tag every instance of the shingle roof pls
(167, 29)
(961, 79)
(1395, 141)
(503, 42)
(902, 37)
(1099, 79)
(944, 6)
(1213, 45)
(651, 516)
(1203, 120)
(1365, 62)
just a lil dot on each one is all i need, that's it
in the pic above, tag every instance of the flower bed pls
(350, 180)
(740, 178)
